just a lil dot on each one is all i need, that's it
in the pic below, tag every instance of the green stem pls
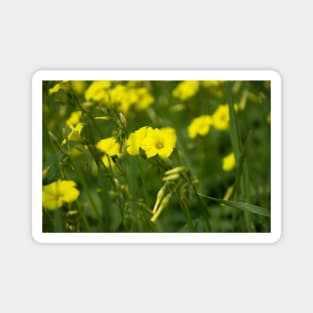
(85, 186)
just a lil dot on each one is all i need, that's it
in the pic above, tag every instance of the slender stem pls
(85, 186)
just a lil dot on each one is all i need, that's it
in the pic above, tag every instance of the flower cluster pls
(153, 141)
(120, 97)
(201, 125)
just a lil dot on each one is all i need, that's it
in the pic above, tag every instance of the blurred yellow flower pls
(59, 192)
(159, 142)
(144, 99)
(57, 87)
(74, 135)
(108, 161)
(120, 98)
(123, 98)
(186, 89)
(212, 83)
(109, 145)
(200, 126)
(74, 118)
(220, 117)
(229, 162)
(135, 140)
(111, 148)
(97, 91)
(78, 86)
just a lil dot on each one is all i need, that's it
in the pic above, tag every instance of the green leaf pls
(248, 207)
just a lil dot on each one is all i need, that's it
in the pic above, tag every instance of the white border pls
(276, 149)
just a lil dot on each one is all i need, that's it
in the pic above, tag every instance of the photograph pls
(155, 156)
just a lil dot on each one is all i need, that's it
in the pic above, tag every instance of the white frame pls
(276, 148)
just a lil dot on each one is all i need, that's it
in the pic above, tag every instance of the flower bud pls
(171, 177)
(160, 196)
(176, 170)
(163, 205)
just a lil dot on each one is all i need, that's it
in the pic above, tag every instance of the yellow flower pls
(109, 145)
(74, 135)
(97, 91)
(124, 98)
(121, 98)
(211, 83)
(57, 87)
(144, 99)
(135, 140)
(108, 161)
(78, 86)
(186, 89)
(229, 162)
(221, 117)
(159, 141)
(74, 118)
(111, 148)
(59, 192)
(200, 126)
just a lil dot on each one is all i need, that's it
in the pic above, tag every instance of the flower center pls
(159, 145)
(223, 117)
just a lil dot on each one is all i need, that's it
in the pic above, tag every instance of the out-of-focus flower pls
(109, 145)
(123, 98)
(200, 126)
(159, 142)
(74, 118)
(57, 193)
(111, 148)
(186, 89)
(212, 83)
(57, 87)
(78, 86)
(220, 117)
(97, 91)
(75, 134)
(229, 162)
(144, 99)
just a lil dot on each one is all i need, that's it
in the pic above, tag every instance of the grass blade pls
(247, 207)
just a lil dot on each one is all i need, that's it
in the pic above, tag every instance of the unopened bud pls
(176, 170)
(160, 196)
(163, 205)
(171, 177)
(123, 119)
